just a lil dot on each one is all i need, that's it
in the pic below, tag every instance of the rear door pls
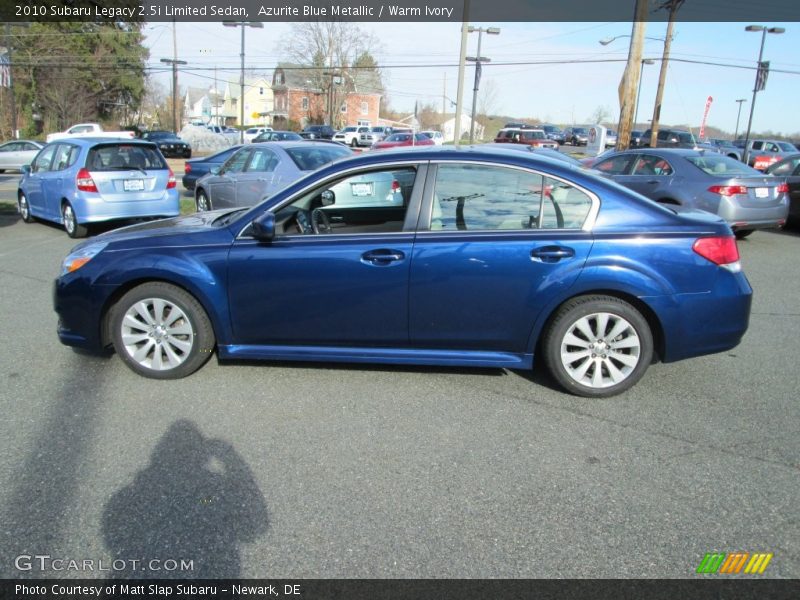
(255, 181)
(650, 175)
(495, 244)
(221, 187)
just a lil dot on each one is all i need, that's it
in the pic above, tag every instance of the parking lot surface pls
(309, 470)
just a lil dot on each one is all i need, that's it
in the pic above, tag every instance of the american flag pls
(5, 70)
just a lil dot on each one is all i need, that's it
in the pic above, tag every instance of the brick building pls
(298, 100)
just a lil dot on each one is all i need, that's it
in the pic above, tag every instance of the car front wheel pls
(161, 331)
(598, 346)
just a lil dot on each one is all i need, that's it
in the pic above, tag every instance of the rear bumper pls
(92, 208)
(739, 217)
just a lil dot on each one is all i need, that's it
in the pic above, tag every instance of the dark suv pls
(670, 138)
(316, 132)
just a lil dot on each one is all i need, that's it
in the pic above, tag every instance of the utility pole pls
(174, 63)
(11, 96)
(673, 6)
(630, 79)
(444, 96)
(461, 60)
(243, 25)
(478, 60)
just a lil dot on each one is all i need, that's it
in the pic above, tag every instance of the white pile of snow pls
(203, 140)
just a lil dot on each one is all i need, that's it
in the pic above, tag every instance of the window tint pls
(647, 164)
(111, 157)
(487, 198)
(616, 165)
(721, 166)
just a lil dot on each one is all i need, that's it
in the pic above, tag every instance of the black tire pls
(353, 143)
(70, 220)
(24, 208)
(202, 202)
(161, 337)
(595, 367)
(742, 233)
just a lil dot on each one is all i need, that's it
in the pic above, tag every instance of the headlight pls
(76, 259)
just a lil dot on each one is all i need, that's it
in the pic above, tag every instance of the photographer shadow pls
(196, 500)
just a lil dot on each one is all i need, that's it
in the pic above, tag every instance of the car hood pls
(202, 221)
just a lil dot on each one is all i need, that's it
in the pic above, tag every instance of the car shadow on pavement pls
(8, 214)
(196, 500)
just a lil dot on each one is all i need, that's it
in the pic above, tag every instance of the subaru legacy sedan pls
(80, 181)
(492, 259)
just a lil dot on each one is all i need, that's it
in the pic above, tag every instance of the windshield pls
(310, 158)
(718, 165)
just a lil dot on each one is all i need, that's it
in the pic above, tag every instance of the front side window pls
(43, 160)
(369, 202)
(489, 198)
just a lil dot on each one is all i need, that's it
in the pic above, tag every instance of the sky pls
(420, 61)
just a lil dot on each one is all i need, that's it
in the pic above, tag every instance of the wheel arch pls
(654, 322)
(124, 288)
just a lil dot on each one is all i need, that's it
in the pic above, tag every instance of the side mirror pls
(327, 197)
(25, 169)
(214, 170)
(264, 227)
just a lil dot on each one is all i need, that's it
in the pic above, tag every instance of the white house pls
(448, 128)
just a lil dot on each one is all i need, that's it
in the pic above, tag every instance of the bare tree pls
(600, 114)
(487, 101)
(339, 57)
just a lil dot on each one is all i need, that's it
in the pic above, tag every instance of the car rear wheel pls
(24, 208)
(743, 233)
(202, 201)
(71, 225)
(161, 331)
(598, 346)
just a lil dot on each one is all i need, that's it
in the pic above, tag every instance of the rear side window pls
(488, 198)
(65, 157)
(312, 158)
(117, 157)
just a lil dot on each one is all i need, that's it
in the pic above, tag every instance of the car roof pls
(94, 141)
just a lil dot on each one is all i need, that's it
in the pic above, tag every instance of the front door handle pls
(382, 256)
(551, 254)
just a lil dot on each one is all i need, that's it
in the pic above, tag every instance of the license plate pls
(361, 189)
(133, 185)
(762, 192)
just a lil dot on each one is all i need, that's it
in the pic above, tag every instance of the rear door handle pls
(382, 256)
(551, 254)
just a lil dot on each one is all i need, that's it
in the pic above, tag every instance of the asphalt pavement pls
(308, 470)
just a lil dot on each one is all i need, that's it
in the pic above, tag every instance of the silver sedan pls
(16, 153)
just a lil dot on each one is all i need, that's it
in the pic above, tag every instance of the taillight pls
(728, 190)
(84, 181)
(171, 183)
(722, 251)
(187, 168)
(395, 186)
(783, 188)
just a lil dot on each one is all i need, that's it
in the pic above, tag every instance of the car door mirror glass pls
(263, 227)
(328, 198)
(25, 169)
(215, 170)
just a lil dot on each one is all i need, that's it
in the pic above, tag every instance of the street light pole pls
(738, 114)
(764, 31)
(242, 24)
(478, 60)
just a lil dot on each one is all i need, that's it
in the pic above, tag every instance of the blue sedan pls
(80, 181)
(490, 259)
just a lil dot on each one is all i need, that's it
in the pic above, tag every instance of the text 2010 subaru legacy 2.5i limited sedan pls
(492, 257)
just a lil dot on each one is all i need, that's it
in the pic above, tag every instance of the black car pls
(169, 144)
(636, 138)
(197, 167)
(314, 132)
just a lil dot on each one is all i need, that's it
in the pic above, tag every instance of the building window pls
(364, 108)
(344, 107)
(304, 103)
